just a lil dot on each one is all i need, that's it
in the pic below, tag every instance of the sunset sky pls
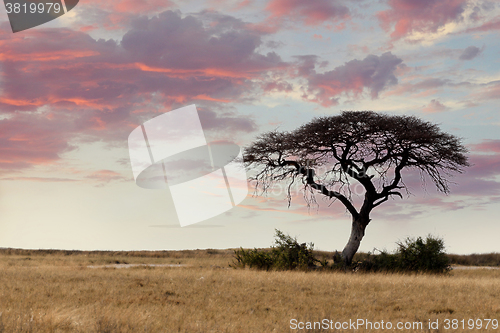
(73, 89)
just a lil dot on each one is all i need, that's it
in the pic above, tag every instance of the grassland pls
(57, 291)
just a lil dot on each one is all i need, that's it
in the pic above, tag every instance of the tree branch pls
(309, 174)
(397, 176)
(386, 198)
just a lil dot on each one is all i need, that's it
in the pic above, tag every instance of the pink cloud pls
(226, 121)
(312, 12)
(373, 73)
(484, 166)
(289, 13)
(242, 5)
(129, 6)
(485, 27)
(273, 85)
(226, 47)
(434, 106)
(28, 140)
(101, 89)
(116, 14)
(488, 91)
(103, 177)
(41, 179)
(479, 181)
(407, 16)
(139, 6)
(488, 146)
(210, 65)
(272, 203)
(425, 87)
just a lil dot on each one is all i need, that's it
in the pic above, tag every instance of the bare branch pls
(309, 177)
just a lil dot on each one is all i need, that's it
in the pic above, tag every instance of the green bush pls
(376, 263)
(285, 254)
(253, 259)
(412, 255)
(423, 256)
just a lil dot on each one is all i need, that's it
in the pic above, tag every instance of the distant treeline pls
(144, 254)
(484, 259)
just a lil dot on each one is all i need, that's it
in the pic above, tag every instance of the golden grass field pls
(58, 292)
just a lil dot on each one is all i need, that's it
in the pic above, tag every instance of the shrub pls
(253, 259)
(376, 263)
(412, 255)
(423, 256)
(285, 254)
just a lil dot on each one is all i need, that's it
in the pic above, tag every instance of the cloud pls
(292, 13)
(130, 6)
(62, 86)
(169, 41)
(424, 87)
(373, 73)
(491, 25)
(434, 106)
(312, 12)
(487, 146)
(29, 140)
(488, 91)
(103, 177)
(274, 85)
(277, 203)
(477, 11)
(423, 16)
(470, 53)
(225, 121)
(179, 58)
(479, 181)
(484, 166)
(115, 15)
(41, 179)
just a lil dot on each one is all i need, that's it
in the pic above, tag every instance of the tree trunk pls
(357, 232)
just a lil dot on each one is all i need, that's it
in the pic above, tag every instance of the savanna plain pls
(78, 291)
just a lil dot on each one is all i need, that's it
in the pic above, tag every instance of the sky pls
(73, 89)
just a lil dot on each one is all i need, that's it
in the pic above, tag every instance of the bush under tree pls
(413, 255)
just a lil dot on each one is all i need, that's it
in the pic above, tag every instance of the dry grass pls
(57, 292)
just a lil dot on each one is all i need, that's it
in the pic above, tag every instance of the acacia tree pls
(363, 147)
